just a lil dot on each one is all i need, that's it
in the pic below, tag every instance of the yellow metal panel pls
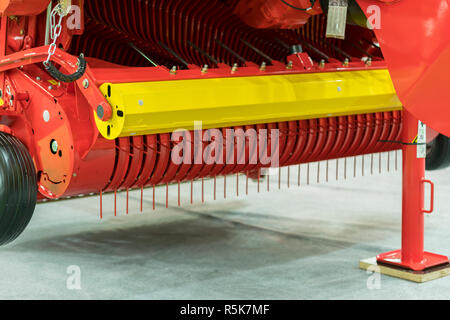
(163, 106)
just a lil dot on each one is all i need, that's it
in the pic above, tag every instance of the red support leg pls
(412, 255)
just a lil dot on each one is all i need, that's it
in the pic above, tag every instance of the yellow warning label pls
(53, 82)
(415, 139)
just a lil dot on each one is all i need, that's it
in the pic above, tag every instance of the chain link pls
(56, 17)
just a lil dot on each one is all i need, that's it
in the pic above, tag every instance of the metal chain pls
(56, 17)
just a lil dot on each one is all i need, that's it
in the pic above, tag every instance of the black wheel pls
(438, 153)
(18, 188)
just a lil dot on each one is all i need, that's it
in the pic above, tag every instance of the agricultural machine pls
(93, 90)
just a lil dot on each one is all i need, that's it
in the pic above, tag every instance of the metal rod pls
(282, 43)
(167, 195)
(203, 53)
(173, 53)
(224, 186)
(307, 174)
(262, 54)
(279, 178)
(115, 203)
(203, 190)
(154, 204)
(127, 201)
(342, 52)
(101, 204)
(232, 52)
(289, 176)
(371, 164)
(246, 183)
(361, 50)
(47, 24)
(318, 171)
(179, 199)
(142, 198)
(215, 186)
(310, 46)
(142, 54)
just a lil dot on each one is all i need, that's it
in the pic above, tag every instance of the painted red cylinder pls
(275, 13)
(413, 195)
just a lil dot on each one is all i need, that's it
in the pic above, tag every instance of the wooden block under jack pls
(416, 276)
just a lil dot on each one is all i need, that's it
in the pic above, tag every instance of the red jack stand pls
(412, 257)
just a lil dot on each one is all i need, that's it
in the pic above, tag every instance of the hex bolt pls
(86, 83)
(100, 112)
(54, 146)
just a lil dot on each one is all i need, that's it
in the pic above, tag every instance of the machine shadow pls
(191, 240)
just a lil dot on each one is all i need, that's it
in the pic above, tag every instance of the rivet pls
(46, 116)
(263, 66)
(234, 68)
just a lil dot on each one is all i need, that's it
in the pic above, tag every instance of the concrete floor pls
(293, 243)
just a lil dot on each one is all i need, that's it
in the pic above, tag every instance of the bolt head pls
(100, 112)
(54, 146)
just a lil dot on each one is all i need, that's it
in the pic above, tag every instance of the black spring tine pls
(361, 50)
(282, 43)
(142, 54)
(342, 52)
(310, 46)
(173, 53)
(234, 53)
(262, 54)
(203, 53)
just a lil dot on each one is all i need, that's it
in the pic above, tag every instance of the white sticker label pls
(421, 141)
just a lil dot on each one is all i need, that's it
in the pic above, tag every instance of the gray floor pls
(293, 243)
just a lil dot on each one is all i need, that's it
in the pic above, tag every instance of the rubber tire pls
(438, 153)
(18, 188)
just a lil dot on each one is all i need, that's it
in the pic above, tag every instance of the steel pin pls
(307, 174)
(225, 187)
(388, 161)
(179, 199)
(127, 200)
(246, 183)
(345, 168)
(379, 162)
(203, 190)
(115, 203)
(154, 200)
(337, 169)
(167, 195)
(101, 204)
(318, 171)
(371, 164)
(363, 165)
(279, 178)
(289, 176)
(192, 191)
